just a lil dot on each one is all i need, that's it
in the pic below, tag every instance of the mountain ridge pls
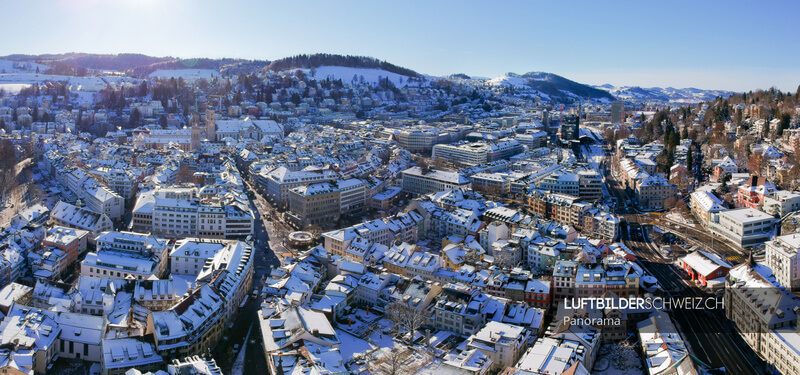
(547, 85)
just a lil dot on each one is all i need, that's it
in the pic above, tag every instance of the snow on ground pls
(8, 66)
(371, 76)
(238, 365)
(676, 216)
(507, 80)
(187, 74)
(353, 346)
(617, 359)
(85, 87)
(13, 88)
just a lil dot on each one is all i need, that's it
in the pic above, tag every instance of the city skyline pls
(711, 45)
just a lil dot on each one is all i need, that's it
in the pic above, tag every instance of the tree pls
(689, 158)
(406, 318)
(670, 203)
(397, 361)
(754, 163)
(134, 118)
(184, 175)
(786, 119)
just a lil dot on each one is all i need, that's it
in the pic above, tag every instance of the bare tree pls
(505, 258)
(406, 318)
(184, 175)
(397, 361)
(669, 203)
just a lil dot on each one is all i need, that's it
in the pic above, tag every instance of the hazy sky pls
(733, 45)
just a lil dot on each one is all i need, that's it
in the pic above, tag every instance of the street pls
(247, 320)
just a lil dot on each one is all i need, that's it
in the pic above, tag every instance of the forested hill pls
(324, 59)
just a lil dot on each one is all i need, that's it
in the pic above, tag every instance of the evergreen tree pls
(690, 158)
(786, 119)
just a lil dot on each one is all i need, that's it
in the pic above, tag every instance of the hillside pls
(663, 95)
(324, 59)
(136, 65)
(551, 85)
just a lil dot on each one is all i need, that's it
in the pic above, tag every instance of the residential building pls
(763, 313)
(502, 343)
(553, 356)
(704, 204)
(65, 214)
(782, 258)
(33, 334)
(122, 354)
(663, 348)
(653, 191)
(782, 203)
(753, 192)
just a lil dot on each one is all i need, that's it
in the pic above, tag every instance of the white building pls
(81, 336)
(782, 257)
(103, 200)
(417, 182)
(502, 343)
(744, 226)
(782, 203)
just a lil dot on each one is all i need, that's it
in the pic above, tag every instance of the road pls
(710, 336)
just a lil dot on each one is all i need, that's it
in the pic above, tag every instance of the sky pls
(728, 45)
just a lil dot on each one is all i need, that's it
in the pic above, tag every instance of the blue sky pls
(733, 45)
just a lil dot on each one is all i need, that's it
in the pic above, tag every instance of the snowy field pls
(187, 74)
(8, 66)
(371, 76)
(86, 83)
(506, 80)
(13, 88)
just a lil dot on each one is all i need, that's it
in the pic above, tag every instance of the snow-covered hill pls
(550, 86)
(187, 74)
(508, 80)
(350, 75)
(8, 66)
(84, 87)
(663, 95)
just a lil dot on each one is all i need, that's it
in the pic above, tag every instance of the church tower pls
(211, 126)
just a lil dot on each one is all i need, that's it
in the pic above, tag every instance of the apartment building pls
(653, 191)
(181, 213)
(704, 204)
(782, 258)
(459, 311)
(65, 214)
(764, 314)
(503, 343)
(782, 203)
(72, 242)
